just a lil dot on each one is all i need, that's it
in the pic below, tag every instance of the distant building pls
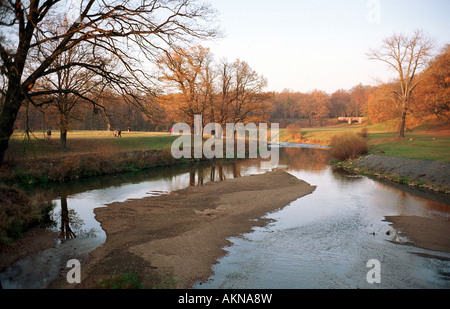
(350, 120)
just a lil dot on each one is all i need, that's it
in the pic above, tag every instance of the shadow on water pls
(79, 232)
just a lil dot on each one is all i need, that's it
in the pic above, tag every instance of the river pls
(323, 240)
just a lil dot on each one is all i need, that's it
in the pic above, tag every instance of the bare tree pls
(122, 28)
(222, 93)
(189, 71)
(68, 86)
(242, 95)
(407, 55)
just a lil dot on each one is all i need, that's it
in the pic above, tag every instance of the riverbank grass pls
(420, 145)
(125, 281)
(428, 142)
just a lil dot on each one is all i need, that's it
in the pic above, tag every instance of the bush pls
(18, 213)
(348, 146)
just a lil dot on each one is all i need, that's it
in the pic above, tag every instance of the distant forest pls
(232, 92)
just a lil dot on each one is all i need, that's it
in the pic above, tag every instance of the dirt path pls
(173, 240)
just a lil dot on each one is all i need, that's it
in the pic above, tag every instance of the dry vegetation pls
(91, 153)
(19, 212)
(348, 146)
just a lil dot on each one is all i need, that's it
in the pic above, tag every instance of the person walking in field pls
(49, 134)
(120, 133)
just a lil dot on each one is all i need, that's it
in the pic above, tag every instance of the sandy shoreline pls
(173, 240)
(427, 233)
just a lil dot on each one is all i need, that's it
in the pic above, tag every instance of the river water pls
(323, 240)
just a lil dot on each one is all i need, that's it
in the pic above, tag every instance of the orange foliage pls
(348, 146)
(381, 106)
(432, 95)
(222, 93)
(294, 132)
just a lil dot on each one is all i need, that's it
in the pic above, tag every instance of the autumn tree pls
(189, 71)
(245, 100)
(359, 95)
(287, 105)
(382, 104)
(314, 107)
(224, 92)
(406, 55)
(340, 104)
(320, 99)
(432, 95)
(124, 29)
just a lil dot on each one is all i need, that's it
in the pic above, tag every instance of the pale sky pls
(321, 44)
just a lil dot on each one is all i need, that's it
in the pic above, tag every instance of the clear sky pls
(321, 44)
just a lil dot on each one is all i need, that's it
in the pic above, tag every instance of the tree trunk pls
(8, 116)
(107, 121)
(64, 123)
(401, 128)
(63, 140)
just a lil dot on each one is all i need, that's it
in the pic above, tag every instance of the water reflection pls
(66, 231)
(307, 159)
(335, 219)
(215, 171)
(76, 200)
(346, 177)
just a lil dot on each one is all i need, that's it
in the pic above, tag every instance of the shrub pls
(348, 146)
(18, 212)
(166, 156)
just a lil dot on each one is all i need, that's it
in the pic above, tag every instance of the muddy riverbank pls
(173, 240)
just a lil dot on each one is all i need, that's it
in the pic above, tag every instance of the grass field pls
(37, 159)
(424, 142)
(86, 142)
(419, 145)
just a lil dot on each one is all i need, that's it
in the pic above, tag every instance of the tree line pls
(223, 92)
